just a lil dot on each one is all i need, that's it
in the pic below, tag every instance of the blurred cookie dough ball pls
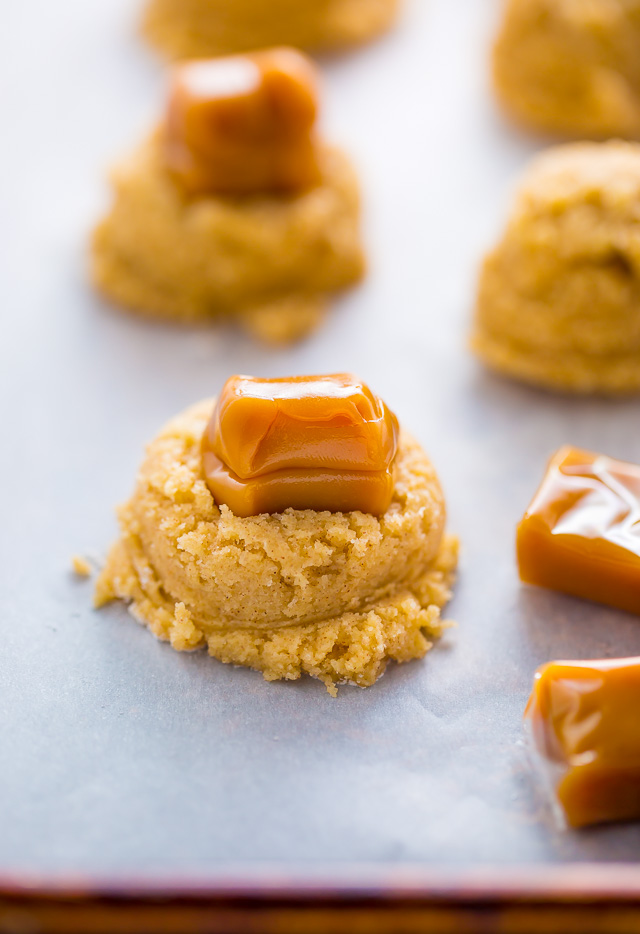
(559, 298)
(192, 28)
(234, 207)
(571, 66)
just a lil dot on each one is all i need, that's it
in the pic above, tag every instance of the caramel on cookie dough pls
(243, 125)
(331, 592)
(234, 207)
(321, 443)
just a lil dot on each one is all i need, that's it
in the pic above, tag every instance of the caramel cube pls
(581, 533)
(583, 721)
(312, 442)
(243, 124)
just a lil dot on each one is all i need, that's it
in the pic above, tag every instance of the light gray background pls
(119, 756)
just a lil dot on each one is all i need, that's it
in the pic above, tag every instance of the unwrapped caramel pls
(581, 533)
(583, 721)
(243, 124)
(308, 442)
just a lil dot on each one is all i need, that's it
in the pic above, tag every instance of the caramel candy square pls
(317, 489)
(243, 124)
(584, 724)
(581, 533)
(313, 442)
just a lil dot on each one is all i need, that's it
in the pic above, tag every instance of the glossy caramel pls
(583, 718)
(581, 533)
(243, 124)
(308, 442)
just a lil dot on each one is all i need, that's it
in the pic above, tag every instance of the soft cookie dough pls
(194, 28)
(334, 595)
(559, 298)
(571, 66)
(270, 261)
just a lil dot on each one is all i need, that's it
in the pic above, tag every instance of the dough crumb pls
(81, 566)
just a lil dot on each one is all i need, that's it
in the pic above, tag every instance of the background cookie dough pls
(330, 594)
(571, 66)
(269, 261)
(194, 28)
(559, 298)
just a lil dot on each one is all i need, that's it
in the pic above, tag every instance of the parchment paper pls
(119, 756)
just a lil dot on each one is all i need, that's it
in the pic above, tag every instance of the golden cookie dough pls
(571, 66)
(335, 595)
(559, 298)
(200, 28)
(81, 566)
(271, 262)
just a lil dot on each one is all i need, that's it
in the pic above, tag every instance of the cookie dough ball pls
(271, 263)
(235, 206)
(559, 298)
(571, 66)
(333, 595)
(193, 28)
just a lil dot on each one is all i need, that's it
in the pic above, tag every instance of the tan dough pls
(559, 298)
(571, 66)
(333, 595)
(270, 262)
(200, 28)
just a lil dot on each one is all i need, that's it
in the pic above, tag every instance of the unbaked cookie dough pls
(333, 595)
(234, 207)
(270, 263)
(194, 28)
(571, 66)
(559, 298)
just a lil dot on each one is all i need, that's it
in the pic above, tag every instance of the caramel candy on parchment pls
(583, 721)
(243, 124)
(309, 442)
(581, 533)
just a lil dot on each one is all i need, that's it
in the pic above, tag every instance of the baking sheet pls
(119, 756)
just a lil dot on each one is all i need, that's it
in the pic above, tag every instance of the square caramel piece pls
(317, 442)
(581, 533)
(243, 124)
(332, 422)
(582, 718)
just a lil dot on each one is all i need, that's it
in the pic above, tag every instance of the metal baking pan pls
(130, 771)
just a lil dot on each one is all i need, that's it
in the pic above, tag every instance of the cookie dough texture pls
(571, 66)
(269, 262)
(200, 28)
(334, 595)
(80, 566)
(559, 298)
